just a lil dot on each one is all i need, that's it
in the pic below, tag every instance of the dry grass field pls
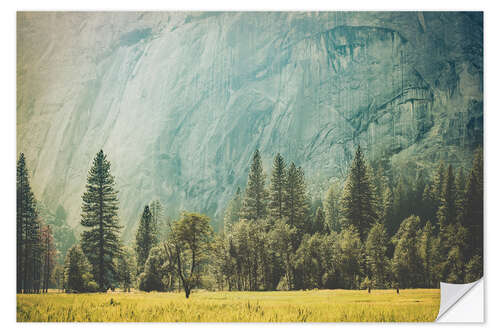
(281, 306)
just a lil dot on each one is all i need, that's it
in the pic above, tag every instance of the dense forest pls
(377, 229)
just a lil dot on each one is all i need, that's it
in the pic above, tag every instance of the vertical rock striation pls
(179, 101)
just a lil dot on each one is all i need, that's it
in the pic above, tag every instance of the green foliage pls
(429, 252)
(358, 205)
(474, 269)
(77, 275)
(387, 213)
(296, 205)
(191, 238)
(126, 268)
(282, 241)
(455, 243)
(350, 252)
(155, 274)
(145, 238)
(48, 255)
(447, 212)
(473, 204)
(407, 264)
(400, 196)
(319, 225)
(233, 211)
(435, 191)
(157, 220)
(310, 264)
(255, 201)
(376, 256)
(277, 190)
(28, 226)
(100, 240)
(332, 207)
(57, 277)
(64, 236)
(281, 238)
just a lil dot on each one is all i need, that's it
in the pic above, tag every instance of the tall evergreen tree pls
(387, 217)
(473, 204)
(27, 232)
(428, 247)
(447, 212)
(417, 195)
(319, 225)
(295, 199)
(233, 211)
(157, 217)
(48, 256)
(145, 238)
(277, 190)
(428, 213)
(460, 184)
(436, 190)
(100, 240)
(358, 205)
(255, 201)
(400, 202)
(332, 209)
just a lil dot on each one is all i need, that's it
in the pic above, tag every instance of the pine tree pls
(48, 256)
(157, 217)
(387, 214)
(400, 202)
(460, 184)
(277, 190)
(36, 264)
(255, 201)
(358, 202)
(295, 199)
(100, 239)
(473, 204)
(332, 214)
(233, 211)
(145, 238)
(417, 195)
(428, 213)
(27, 232)
(447, 212)
(428, 253)
(319, 225)
(436, 190)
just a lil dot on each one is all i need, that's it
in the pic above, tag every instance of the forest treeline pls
(376, 230)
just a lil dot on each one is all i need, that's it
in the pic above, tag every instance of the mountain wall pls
(179, 101)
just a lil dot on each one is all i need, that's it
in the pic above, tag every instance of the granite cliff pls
(179, 101)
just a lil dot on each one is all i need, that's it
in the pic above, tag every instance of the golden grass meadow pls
(411, 305)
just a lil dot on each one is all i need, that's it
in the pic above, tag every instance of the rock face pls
(179, 101)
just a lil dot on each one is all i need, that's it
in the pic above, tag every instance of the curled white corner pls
(461, 302)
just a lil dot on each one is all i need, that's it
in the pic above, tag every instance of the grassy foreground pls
(279, 306)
